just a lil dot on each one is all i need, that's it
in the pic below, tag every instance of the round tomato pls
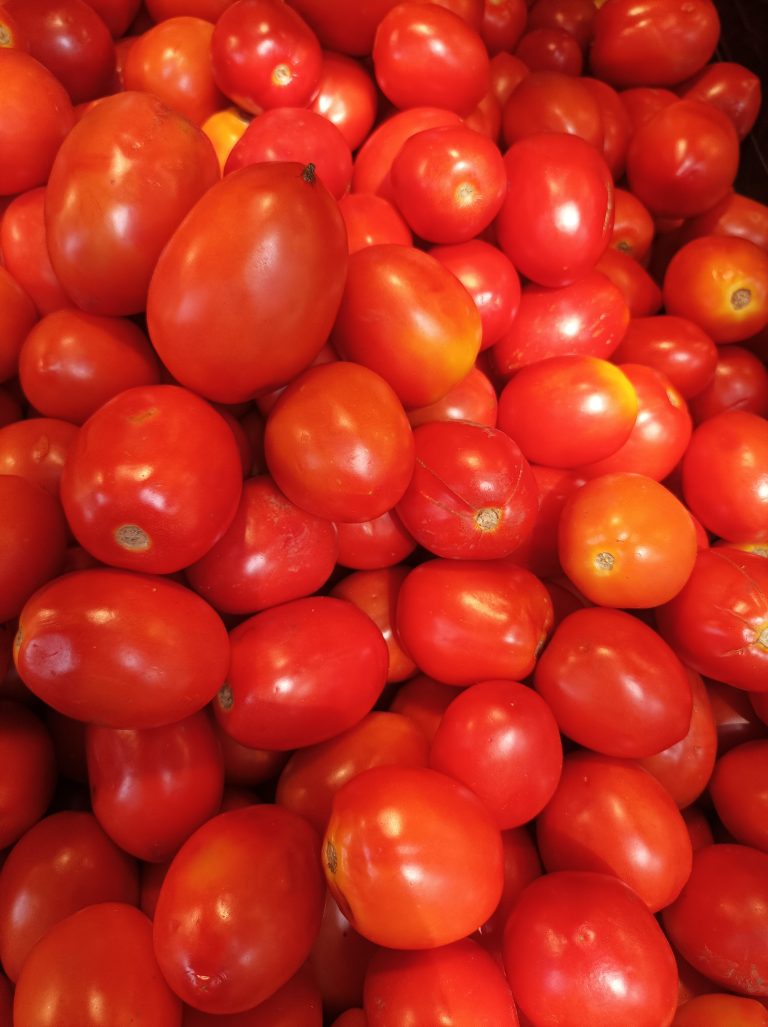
(732, 88)
(617, 130)
(673, 345)
(473, 399)
(720, 1010)
(339, 959)
(371, 220)
(347, 96)
(298, 1003)
(379, 542)
(551, 49)
(550, 101)
(641, 293)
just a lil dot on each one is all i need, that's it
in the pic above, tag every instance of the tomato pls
(424, 54)
(557, 217)
(470, 621)
(407, 317)
(210, 10)
(577, 17)
(521, 866)
(301, 672)
(172, 60)
(26, 746)
(500, 739)
(71, 362)
(701, 835)
(424, 701)
(272, 552)
(734, 215)
(224, 128)
(740, 383)
(550, 49)
(64, 863)
(736, 718)
(296, 1004)
(24, 251)
(275, 322)
(738, 791)
(633, 226)
(614, 685)
(351, 1018)
(539, 552)
(642, 102)
(218, 929)
(459, 983)
(427, 829)
(653, 42)
(313, 775)
(148, 167)
(17, 316)
(473, 399)
(721, 1011)
(717, 922)
(674, 346)
(339, 960)
(37, 449)
(117, 15)
(104, 950)
(379, 542)
(588, 317)
(584, 945)
(626, 541)
(503, 24)
(347, 25)
(346, 95)
(550, 101)
(732, 88)
(616, 125)
(121, 649)
(641, 293)
(265, 55)
(720, 283)
(507, 72)
(37, 115)
(371, 220)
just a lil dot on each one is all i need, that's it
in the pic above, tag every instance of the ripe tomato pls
(275, 322)
(740, 383)
(339, 959)
(24, 251)
(633, 226)
(673, 345)
(616, 125)
(641, 293)
(36, 449)
(379, 542)
(738, 791)
(117, 14)
(551, 49)
(64, 863)
(26, 746)
(427, 830)
(732, 88)
(610, 962)
(503, 24)
(473, 399)
(371, 220)
(121, 649)
(550, 101)
(17, 316)
(219, 929)
(347, 96)
(298, 1003)
(734, 215)
(720, 1010)
(577, 17)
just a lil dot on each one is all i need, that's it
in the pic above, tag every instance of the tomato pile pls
(383, 516)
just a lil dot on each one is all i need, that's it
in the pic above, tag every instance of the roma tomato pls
(26, 746)
(153, 480)
(617, 130)
(24, 251)
(301, 672)
(37, 449)
(551, 49)
(614, 685)
(219, 923)
(673, 345)
(633, 226)
(577, 17)
(550, 101)
(466, 621)
(732, 88)
(339, 959)
(121, 649)
(17, 316)
(347, 25)
(425, 828)
(738, 791)
(347, 96)
(275, 322)
(148, 167)
(720, 1010)
(641, 293)
(740, 383)
(369, 545)
(473, 399)
(371, 220)
(503, 24)
(298, 1003)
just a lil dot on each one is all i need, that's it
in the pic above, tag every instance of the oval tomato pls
(24, 252)
(25, 745)
(673, 345)
(347, 96)
(17, 317)
(738, 791)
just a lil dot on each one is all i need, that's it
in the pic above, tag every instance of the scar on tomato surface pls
(330, 857)
(132, 537)
(225, 697)
(605, 561)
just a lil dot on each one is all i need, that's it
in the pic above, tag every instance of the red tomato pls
(626, 541)
(473, 399)
(297, 1003)
(425, 54)
(117, 14)
(37, 115)
(499, 738)
(26, 747)
(539, 552)
(701, 835)
(71, 362)
(265, 55)
(721, 1011)
(368, 545)
(24, 251)
(104, 950)
(557, 217)
(653, 42)
(173, 61)
(614, 685)
(734, 215)
(346, 25)
(507, 71)
(224, 128)
(521, 866)
(17, 316)
(301, 672)
(347, 96)
(718, 623)
(219, 923)
(121, 649)
(738, 791)
(313, 775)
(551, 49)
(159, 10)
(460, 983)
(37, 449)
(717, 922)
(438, 871)
(633, 226)
(371, 220)
(407, 317)
(339, 959)
(642, 102)
(275, 322)
(424, 701)
(641, 293)
(464, 621)
(62, 864)
(576, 17)
(153, 480)
(673, 345)
(503, 23)
(610, 962)
(736, 717)
(732, 88)
(550, 101)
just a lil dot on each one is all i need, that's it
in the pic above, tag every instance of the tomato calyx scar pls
(741, 298)
(225, 697)
(605, 561)
(487, 519)
(281, 74)
(309, 173)
(133, 537)
(331, 859)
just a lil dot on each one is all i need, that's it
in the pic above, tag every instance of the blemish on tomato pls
(605, 561)
(488, 518)
(225, 697)
(133, 538)
(331, 858)
(740, 299)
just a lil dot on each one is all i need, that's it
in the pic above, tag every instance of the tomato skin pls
(339, 959)
(24, 251)
(295, 679)
(717, 924)
(641, 293)
(62, 864)
(605, 935)
(369, 545)
(104, 950)
(217, 928)
(548, 176)
(36, 449)
(117, 15)
(276, 322)
(633, 226)
(740, 383)
(551, 101)
(457, 639)
(347, 96)
(371, 220)
(551, 49)
(732, 88)
(210, 10)
(737, 790)
(654, 42)
(17, 317)
(734, 215)
(577, 17)
(473, 399)
(503, 24)
(25, 745)
(348, 26)
(154, 653)
(673, 345)
(297, 1003)
(460, 980)
(721, 1009)
(447, 837)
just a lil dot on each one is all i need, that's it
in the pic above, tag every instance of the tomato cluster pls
(383, 516)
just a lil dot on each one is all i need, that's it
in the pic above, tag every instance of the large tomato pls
(275, 217)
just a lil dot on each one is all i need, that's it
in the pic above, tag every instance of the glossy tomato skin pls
(740, 383)
(153, 480)
(277, 321)
(473, 399)
(36, 449)
(460, 981)
(717, 922)
(721, 1009)
(26, 746)
(105, 261)
(339, 959)
(368, 545)
(104, 950)
(371, 220)
(675, 346)
(18, 317)
(446, 837)
(616, 126)
(605, 935)
(64, 863)
(551, 49)
(641, 293)
(218, 931)
(121, 649)
(25, 251)
(550, 177)
(348, 26)
(464, 621)
(347, 96)
(295, 678)
(732, 88)
(551, 101)
(737, 789)
(298, 1003)
(613, 684)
